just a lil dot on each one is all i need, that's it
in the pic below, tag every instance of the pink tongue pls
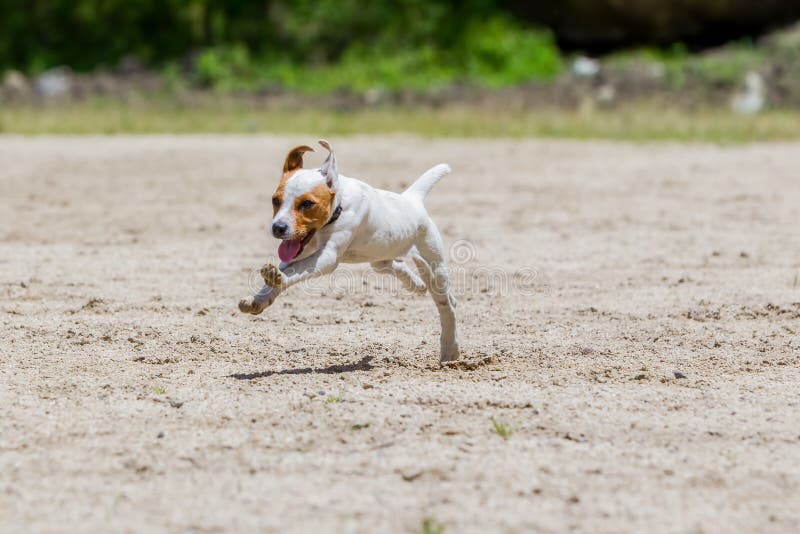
(289, 249)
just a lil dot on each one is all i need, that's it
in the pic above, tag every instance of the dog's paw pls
(449, 353)
(271, 275)
(260, 301)
(249, 305)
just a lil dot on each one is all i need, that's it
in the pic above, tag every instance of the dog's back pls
(386, 222)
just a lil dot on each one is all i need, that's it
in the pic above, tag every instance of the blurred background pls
(705, 69)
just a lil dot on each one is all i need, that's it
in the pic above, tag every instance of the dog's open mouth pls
(289, 249)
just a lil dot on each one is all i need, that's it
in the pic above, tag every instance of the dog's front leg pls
(260, 301)
(323, 261)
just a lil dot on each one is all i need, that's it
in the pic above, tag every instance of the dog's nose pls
(279, 229)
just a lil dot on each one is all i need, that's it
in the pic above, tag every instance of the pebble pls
(678, 374)
(580, 438)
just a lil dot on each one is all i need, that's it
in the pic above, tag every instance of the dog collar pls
(336, 213)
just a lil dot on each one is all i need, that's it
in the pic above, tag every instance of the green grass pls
(431, 526)
(223, 115)
(334, 398)
(159, 390)
(500, 428)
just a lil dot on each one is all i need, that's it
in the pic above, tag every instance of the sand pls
(629, 317)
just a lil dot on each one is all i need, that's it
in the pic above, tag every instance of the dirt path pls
(134, 397)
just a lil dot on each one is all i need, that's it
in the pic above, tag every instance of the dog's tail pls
(423, 185)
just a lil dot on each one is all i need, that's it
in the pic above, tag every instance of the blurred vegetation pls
(642, 122)
(321, 46)
(723, 66)
(492, 53)
(306, 45)
(417, 66)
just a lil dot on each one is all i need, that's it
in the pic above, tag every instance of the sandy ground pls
(134, 396)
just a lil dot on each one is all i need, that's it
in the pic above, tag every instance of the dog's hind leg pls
(423, 267)
(400, 269)
(433, 270)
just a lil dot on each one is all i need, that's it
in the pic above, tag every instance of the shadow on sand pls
(361, 365)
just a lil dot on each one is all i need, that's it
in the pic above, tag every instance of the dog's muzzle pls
(279, 229)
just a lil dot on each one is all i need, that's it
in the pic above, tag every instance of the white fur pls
(375, 226)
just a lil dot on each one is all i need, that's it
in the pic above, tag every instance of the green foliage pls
(229, 67)
(89, 33)
(493, 52)
(306, 45)
(498, 53)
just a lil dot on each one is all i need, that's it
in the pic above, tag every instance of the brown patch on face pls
(277, 196)
(292, 163)
(314, 217)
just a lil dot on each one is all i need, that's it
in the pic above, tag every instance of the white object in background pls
(585, 67)
(752, 99)
(54, 82)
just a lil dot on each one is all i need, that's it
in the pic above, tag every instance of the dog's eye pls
(306, 204)
(276, 202)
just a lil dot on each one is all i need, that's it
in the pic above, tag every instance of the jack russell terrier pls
(324, 219)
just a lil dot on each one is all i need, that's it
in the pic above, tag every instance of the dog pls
(323, 219)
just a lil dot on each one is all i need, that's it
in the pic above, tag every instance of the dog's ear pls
(294, 159)
(328, 168)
